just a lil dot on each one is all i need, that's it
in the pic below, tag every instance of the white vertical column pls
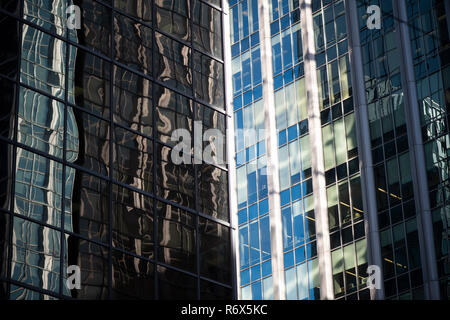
(424, 222)
(232, 197)
(317, 160)
(273, 181)
(364, 145)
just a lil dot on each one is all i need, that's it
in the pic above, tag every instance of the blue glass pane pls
(287, 51)
(297, 46)
(263, 207)
(251, 187)
(245, 30)
(285, 22)
(256, 272)
(240, 158)
(299, 70)
(331, 53)
(261, 148)
(254, 9)
(300, 254)
(284, 6)
(237, 83)
(254, 243)
(287, 228)
(320, 59)
(276, 58)
(243, 247)
(251, 153)
(289, 76)
(242, 216)
(299, 233)
(296, 192)
(289, 259)
(247, 97)
(265, 238)
(262, 183)
(267, 268)
(256, 64)
(257, 93)
(254, 39)
(235, 50)
(237, 102)
(235, 24)
(285, 197)
(257, 291)
(292, 133)
(275, 11)
(245, 44)
(278, 82)
(302, 282)
(246, 74)
(245, 277)
(282, 138)
(253, 212)
(274, 27)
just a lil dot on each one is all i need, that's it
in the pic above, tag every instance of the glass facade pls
(255, 266)
(88, 118)
(400, 219)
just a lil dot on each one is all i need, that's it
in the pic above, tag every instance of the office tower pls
(351, 168)
(89, 114)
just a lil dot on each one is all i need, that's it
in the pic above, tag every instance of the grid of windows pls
(392, 168)
(341, 162)
(255, 265)
(301, 271)
(87, 151)
(430, 48)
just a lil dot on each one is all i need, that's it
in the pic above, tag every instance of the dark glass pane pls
(132, 222)
(176, 237)
(92, 83)
(207, 31)
(133, 159)
(209, 82)
(133, 278)
(215, 251)
(213, 191)
(6, 160)
(89, 206)
(172, 64)
(172, 17)
(94, 142)
(95, 30)
(133, 44)
(212, 291)
(174, 285)
(140, 9)
(133, 101)
(174, 182)
(93, 262)
(9, 55)
(173, 111)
